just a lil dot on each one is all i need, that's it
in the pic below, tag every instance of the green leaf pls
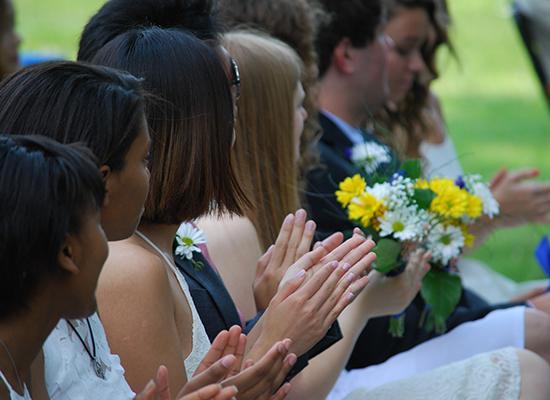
(441, 290)
(387, 254)
(423, 198)
(412, 168)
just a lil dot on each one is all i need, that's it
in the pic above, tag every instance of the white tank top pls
(13, 394)
(201, 342)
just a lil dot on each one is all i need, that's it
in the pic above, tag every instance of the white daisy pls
(188, 238)
(403, 224)
(370, 156)
(490, 204)
(445, 243)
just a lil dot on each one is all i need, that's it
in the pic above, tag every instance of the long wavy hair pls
(405, 125)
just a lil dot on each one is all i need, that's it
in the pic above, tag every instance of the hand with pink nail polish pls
(294, 240)
(322, 285)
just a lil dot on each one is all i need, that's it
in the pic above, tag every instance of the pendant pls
(99, 368)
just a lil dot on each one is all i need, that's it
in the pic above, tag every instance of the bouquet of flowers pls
(405, 212)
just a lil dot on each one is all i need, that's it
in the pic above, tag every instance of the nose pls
(417, 63)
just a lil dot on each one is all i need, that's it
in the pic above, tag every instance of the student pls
(103, 109)
(52, 248)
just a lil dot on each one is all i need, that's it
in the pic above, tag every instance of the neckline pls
(26, 395)
(156, 248)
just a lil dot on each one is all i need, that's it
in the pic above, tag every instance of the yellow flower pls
(450, 204)
(450, 201)
(421, 184)
(350, 188)
(367, 209)
(474, 207)
(469, 239)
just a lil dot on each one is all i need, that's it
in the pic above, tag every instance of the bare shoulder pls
(131, 269)
(231, 232)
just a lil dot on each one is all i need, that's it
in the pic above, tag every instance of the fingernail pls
(346, 266)
(149, 386)
(235, 389)
(300, 273)
(228, 361)
(288, 220)
(270, 248)
(350, 296)
(300, 213)
(333, 264)
(287, 344)
(310, 226)
(350, 277)
(282, 348)
(292, 359)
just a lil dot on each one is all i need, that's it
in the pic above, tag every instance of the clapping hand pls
(294, 240)
(521, 200)
(219, 376)
(307, 304)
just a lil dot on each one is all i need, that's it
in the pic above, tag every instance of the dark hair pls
(46, 191)
(356, 20)
(191, 128)
(74, 102)
(119, 16)
(407, 121)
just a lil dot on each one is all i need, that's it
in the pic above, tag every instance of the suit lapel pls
(209, 280)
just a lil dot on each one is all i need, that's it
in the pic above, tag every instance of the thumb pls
(149, 393)
(263, 262)
(290, 287)
(498, 178)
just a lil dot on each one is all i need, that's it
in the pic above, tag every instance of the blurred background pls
(494, 105)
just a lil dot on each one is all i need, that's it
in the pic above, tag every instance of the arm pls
(382, 296)
(135, 304)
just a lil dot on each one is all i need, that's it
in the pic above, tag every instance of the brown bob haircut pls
(190, 120)
(264, 152)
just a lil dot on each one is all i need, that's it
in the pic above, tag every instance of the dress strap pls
(13, 394)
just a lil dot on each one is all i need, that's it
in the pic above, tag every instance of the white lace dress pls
(201, 342)
(13, 394)
(499, 329)
(488, 376)
(68, 367)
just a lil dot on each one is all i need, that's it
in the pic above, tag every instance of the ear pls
(343, 57)
(66, 256)
(107, 175)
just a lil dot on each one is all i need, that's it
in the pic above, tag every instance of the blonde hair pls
(264, 151)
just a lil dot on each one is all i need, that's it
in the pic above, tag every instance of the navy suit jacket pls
(374, 345)
(218, 311)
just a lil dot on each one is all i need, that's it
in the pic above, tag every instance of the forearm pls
(317, 380)
(481, 231)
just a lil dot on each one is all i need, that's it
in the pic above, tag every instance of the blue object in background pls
(542, 254)
(35, 57)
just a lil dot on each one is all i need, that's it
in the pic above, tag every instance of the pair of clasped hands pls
(303, 292)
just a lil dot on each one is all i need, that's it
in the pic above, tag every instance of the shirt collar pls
(355, 135)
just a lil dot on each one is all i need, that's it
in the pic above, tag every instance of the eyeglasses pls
(235, 77)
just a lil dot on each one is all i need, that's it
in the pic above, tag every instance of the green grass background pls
(495, 109)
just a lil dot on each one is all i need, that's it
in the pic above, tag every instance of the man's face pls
(370, 75)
